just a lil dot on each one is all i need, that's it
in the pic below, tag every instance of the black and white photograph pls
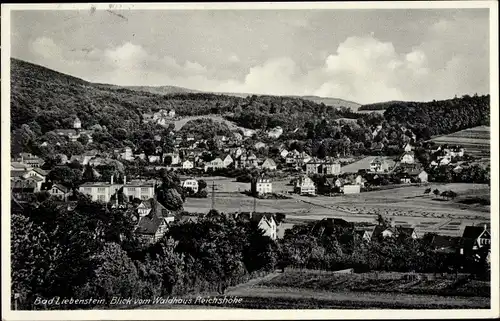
(296, 160)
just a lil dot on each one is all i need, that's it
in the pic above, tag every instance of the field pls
(312, 289)
(308, 289)
(476, 141)
(406, 205)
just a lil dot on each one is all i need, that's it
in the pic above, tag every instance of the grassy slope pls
(475, 140)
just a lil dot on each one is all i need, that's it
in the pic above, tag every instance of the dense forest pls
(443, 116)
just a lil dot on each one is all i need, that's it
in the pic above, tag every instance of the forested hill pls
(442, 116)
(381, 106)
(45, 100)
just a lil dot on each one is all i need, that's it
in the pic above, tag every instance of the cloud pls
(46, 48)
(452, 59)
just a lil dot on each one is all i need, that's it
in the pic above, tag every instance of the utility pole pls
(255, 205)
(213, 195)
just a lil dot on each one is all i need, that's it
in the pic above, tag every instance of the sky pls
(365, 56)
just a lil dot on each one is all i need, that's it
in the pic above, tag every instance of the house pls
(171, 113)
(99, 191)
(247, 160)
(191, 184)
(154, 158)
(352, 189)
(382, 232)
(283, 153)
(327, 226)
(30, 160)
(261, 186)
(23, 190)
(445, 160)
(275, 132)
(248, 132)
(406, 232)
(228, 160)
(142, 190)
(237, 152)
(260, 145)
(330, 168)
(269, 164)
(474, 238)
(405, 178)
(444, 244)
(146, 206)
(408, 147)
(215, 164)
(187, 164)
(127, 154)
(364, 234)
(423, 177)
(360, 180)
(174, 156)
(408, 158)
(83, 159)
(434, 163)
(16, 166)
(59, 191)
(312, 167)
(305, 186)
(379, 165)
(267, 223)
(152, 226)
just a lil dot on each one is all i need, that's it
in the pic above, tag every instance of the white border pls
(235, 314)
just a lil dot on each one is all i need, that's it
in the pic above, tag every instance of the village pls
(285, 174)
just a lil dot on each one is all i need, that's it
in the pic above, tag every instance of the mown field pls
(308, 289)
(407, 206)
(312, 289)
(476, 141)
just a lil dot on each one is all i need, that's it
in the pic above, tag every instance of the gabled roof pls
(441, 241)
(61, 188)
(18, 173)
(378, 230)
(270, 162)
(405, 231)
(148, 224)
(473, 232)
(40, 171)
(156, 208)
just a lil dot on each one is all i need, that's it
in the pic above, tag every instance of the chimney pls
(112, 179)
(124, 180)
(485, 227)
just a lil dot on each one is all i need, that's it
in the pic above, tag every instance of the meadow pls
(406, 206)
(476, 140)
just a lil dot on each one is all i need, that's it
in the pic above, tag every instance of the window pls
(101, 189)
(87, 190)
(101, 198)
(144, 190)
(131, 189)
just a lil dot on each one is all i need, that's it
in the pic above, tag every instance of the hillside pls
(44, 100)
(334, 102)
(380, 106)
(157, 90)
(476, 141)
(440, 117)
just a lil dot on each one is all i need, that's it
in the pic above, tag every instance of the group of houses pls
(26, 181)
(162, 117)
(73, 134)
